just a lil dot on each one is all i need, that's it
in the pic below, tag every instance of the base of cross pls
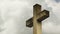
(36, 20)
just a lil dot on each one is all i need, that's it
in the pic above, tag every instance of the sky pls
(14, 13)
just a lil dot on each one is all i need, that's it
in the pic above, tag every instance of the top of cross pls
(37, 5)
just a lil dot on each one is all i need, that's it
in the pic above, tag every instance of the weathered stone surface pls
(29, 22)
(43, 15)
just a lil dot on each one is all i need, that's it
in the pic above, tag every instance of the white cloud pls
(52, 25)
(12, 13)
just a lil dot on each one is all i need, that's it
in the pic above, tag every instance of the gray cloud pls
(57, 1)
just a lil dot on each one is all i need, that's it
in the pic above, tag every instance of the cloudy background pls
(14, 13)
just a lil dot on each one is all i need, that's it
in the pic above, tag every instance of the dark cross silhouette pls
(38, 17)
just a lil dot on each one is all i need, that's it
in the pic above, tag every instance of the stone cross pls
(38, 17)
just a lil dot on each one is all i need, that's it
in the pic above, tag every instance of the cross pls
(36, 20)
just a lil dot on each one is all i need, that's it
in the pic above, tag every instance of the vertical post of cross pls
(37, 27)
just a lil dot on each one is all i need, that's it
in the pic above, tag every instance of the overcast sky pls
(14, 13)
